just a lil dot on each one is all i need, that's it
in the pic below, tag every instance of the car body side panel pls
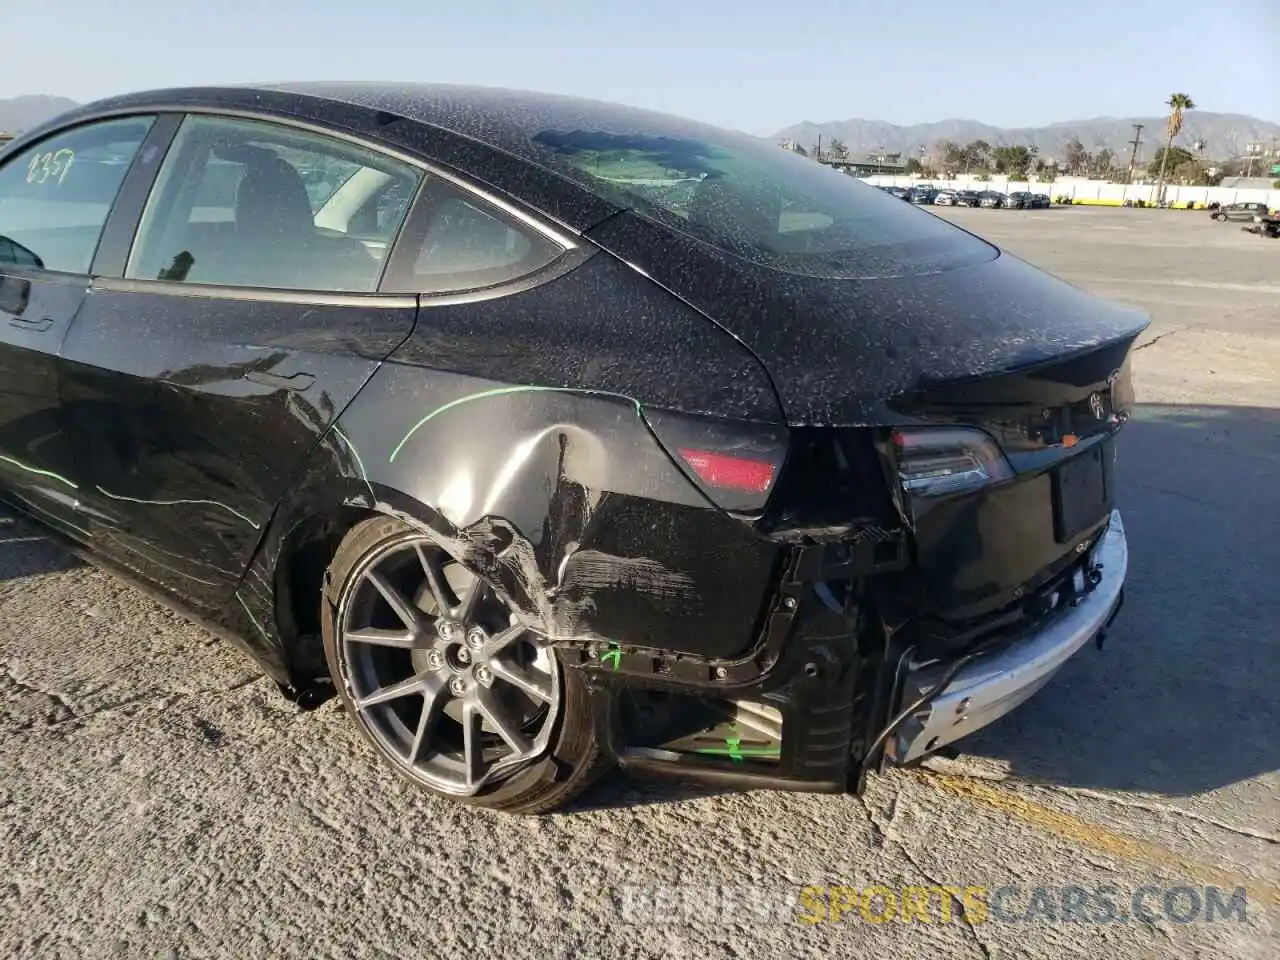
(37, 470)
(562, 498)
(603, 327)
(539, 468)
(192, 413)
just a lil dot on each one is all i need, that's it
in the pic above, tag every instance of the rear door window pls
(258, 204)
(55, 196)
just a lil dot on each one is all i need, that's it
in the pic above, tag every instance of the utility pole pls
(1252, 150)
(1136, 142)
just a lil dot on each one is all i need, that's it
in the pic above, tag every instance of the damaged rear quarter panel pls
(565, 501)
(531, 461)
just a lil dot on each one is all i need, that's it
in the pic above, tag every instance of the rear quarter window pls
(456, 242)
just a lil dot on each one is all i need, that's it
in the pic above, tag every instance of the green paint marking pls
(614, 655)
(38, 472)
(499, 392)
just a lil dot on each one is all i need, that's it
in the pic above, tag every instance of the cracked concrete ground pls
(158, 798)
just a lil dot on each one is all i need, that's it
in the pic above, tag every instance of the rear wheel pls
(446, 682)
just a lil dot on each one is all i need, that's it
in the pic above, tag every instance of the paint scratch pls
(498, 392)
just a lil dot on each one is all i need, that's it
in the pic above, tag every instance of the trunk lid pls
(840, 351)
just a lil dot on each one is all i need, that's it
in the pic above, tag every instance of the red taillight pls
(729, 473)
(734, 464)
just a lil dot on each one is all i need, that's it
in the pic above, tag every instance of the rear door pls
(243, 320)
(55, 198)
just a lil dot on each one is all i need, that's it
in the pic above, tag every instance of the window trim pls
(121, 228)
(536, 222)
(18, 147)
(400, 275)
(575, 250)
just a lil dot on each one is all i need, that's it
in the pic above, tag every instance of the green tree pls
(952, 154)
(837, 150)
(1172, 158)
(976, 155)
(1075, 157)
(1102, 163)
(1178, 104)
(1013, 161)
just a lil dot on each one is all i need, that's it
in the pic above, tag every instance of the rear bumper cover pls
(994, 684)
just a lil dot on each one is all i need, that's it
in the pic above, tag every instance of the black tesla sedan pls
(551, 434)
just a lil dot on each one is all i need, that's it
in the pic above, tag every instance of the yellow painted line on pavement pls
(1117, 846)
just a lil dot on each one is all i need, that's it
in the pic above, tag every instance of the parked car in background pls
(967, 198)
(945, 198)
(1041, 201)
(1018, 200)
(902, 193)
(550, 434)
(923, 194)
(991, 199)
(1264, 225)
(1239, 211)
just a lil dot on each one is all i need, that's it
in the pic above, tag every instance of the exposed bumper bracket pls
(995, 683)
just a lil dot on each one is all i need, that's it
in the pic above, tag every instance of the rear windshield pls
(761, 202)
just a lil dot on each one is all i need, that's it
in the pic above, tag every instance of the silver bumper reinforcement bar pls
(995, 683)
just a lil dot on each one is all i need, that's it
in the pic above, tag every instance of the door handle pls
(34, 326)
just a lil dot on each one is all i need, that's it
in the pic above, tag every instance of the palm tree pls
(1178, 103)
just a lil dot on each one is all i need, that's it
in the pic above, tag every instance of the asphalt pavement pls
(158, 798)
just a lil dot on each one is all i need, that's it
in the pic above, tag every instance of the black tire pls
(573, 759)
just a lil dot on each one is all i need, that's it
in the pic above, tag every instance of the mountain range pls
(1225, 134)
(23, 113)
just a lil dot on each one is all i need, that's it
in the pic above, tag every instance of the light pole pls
(1252, 150)
(1136, 142)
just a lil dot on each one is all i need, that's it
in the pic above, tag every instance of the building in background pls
(886, 163)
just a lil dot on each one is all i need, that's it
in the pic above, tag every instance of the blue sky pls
(753, 64)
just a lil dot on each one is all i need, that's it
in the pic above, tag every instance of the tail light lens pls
(937, 461)
(734, 464)
(723, 471)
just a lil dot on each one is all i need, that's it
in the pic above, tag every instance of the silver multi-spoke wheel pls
(439, 670)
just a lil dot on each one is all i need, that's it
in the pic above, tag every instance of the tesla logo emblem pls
(1095, 405)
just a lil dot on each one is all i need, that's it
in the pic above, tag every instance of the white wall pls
(1078, 187)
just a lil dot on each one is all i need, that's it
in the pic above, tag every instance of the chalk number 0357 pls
(51, 167)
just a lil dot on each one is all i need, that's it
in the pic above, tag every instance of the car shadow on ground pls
(617, 790)
(1181, 699)
(26, 551)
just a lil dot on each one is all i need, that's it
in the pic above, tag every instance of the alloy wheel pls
(448, 682)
